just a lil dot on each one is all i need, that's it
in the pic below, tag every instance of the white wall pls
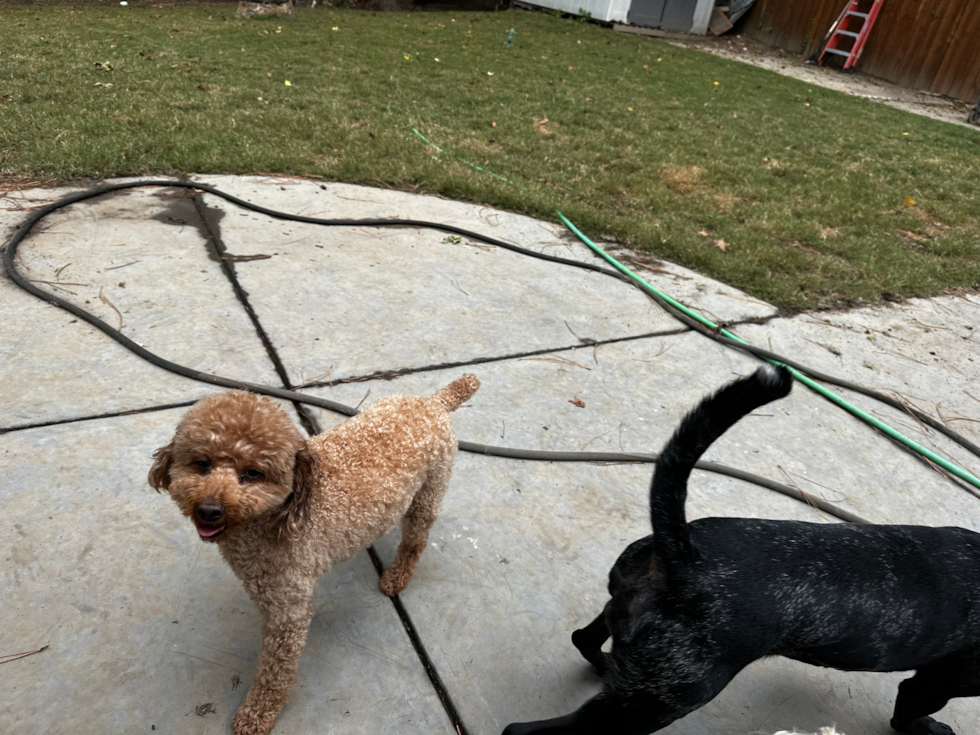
(617, 10)
(605, 10)
(702, 15)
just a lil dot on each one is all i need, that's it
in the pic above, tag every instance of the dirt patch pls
(725, 202)
(833, 301)
(682, 179)
(865, 86)
(629, 254)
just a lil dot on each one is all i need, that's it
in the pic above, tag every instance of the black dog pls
(693, 604)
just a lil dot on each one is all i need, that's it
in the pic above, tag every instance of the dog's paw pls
(386, 586)
(923, 726)
(394, 580)
(250, 722)
(593, 655)
(599, 664)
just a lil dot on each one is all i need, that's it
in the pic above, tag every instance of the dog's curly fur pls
(284, 510)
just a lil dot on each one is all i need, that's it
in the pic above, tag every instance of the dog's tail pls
(453, 395)
(700, 428)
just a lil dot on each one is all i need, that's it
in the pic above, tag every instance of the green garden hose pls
(863, 415)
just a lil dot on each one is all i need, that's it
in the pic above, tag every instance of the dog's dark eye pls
(203, 464)
(252, 475)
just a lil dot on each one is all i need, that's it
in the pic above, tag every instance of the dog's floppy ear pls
(295, 515)
(163, 458)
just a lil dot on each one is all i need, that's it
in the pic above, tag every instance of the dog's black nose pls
(210, 511)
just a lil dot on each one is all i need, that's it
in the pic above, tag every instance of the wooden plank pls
(947, 13)
(900, 26)
(824, 16)
(719, 23)
(796, 26)
(655, 32)
(958, 75)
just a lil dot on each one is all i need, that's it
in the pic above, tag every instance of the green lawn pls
(630, 137)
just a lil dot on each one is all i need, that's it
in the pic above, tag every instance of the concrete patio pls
(146, 628)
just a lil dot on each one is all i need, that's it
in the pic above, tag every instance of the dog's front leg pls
(283, 637)
(589, 640)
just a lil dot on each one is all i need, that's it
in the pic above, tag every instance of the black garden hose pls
(603, 457)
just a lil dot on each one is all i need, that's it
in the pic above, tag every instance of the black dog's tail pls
(700, 428)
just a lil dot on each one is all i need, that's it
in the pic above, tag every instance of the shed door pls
(646, 12)
(678, 15)
(671, 15)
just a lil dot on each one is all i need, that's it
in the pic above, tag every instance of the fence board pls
(924, 44)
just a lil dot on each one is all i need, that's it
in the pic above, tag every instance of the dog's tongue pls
(206, 532)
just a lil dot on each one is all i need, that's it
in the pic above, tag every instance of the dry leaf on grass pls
(920, 235)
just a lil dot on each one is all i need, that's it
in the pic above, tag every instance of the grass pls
(663, 148)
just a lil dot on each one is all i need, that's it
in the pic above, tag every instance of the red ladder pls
(845, 28)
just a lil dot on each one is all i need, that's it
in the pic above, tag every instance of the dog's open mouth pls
(210, 531)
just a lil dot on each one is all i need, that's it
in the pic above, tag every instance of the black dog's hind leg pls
(609, 712)
(589, 640)
(929, 691)
(637, 711)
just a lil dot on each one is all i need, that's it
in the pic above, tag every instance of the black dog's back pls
(851, 597)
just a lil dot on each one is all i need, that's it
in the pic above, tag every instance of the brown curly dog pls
(284, 510)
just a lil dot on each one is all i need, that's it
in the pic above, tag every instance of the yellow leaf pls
(288, 83)
(909, 202)
(336, 28)
(703, 233)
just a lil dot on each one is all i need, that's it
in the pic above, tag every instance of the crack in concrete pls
(228, 265)
(95, 417)
(388, 375)
(441, 690)
(396, 372)
(217, 250)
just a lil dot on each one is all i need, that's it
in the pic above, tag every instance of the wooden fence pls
(925, 44)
